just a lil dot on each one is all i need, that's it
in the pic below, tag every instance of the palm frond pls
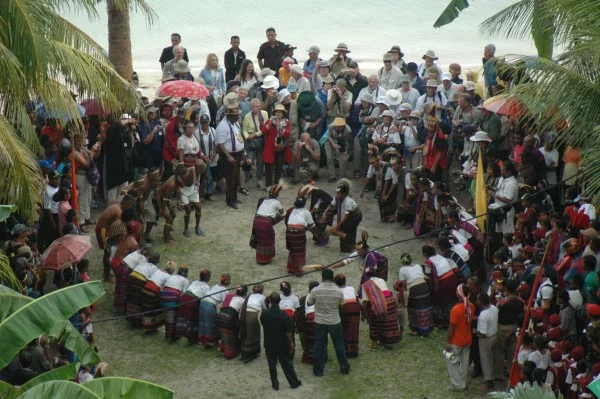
(513, 22)
(135, 5)
(76, 6)
(8, 279)
(451, 12)
(120, 387)
(19, 171)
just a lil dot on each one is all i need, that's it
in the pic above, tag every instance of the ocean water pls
(369, 28)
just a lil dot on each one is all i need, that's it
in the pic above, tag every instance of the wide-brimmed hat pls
(270, 82)
(314, 49)
(166, 76)
(432, 83)
(469, 86)
(394, 96)
(396, 49)
(151, 109)
(267, 72)
(181, 66)
(446, 76)
(404, 78)
(430, 54)
(382, 100)
(233, 111)
(367, 97)
(338, 122)
(328, 79)
(231, 100)
(388, 113)
(289, 60)
(297, 68)
(415, 114)
(342, 47)
(324, 64)
(405, 107)
(480, 136)
(305, 101)
(341, 82)
(589, 232)
(388, 57)
(280, 107)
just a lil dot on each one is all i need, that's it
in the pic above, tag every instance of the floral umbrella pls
(65, 250)
(504, 105)
(182, 89)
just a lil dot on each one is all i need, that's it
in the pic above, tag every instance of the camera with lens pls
(279, 140)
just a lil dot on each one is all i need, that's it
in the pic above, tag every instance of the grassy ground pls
(414, 368)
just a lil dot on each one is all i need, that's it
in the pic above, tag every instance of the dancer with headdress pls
(349, 215)
(169, 298)
(269, 212)
(250, 325)
(207, 319)
(374, 179)
(228, 322)
(413, 280)
(388, 196)
(319, 207)
(298, 221)
(189, 307)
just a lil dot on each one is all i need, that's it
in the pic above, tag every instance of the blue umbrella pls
(44, 113)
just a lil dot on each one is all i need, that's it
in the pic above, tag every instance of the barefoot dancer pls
(349, 216)
(190, 196)
(164, 198)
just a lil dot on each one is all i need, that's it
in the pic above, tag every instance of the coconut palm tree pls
(23, 319)
(119, 32)
(43, 56)
(517, 21)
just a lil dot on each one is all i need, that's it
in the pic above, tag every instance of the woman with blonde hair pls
(214, 77)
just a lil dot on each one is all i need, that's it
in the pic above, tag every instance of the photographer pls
(339, 101)
(276, 131)
(340, 61)
(464, 115)
(152, 135)
(336, 147)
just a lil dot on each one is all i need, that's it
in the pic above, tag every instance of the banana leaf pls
(127, 388)
(451, 12)
(5, 211)
(59, 389)
(10, 302)
(39, 316)
(71, 338)
(8, 391)
(67, 372)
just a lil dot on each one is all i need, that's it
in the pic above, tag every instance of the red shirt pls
(271, 132)
(435, 145)
(171, 135)
(53, 134)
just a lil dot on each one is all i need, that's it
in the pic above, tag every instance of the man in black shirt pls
(167, 53)
(270, 52)
(279, 342)
(233, 59)
(509, 311)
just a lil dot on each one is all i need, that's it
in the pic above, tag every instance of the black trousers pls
(232, 175)
(286, 362)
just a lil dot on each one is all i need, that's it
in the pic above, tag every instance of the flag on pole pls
(481, 199)
(595, 387)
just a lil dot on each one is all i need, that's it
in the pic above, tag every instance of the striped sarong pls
(263, 239)
(150, 302)
(135, 284)
(385, 329)
(251, 342)
(207, 323)
(187, 317)
(307, 338)
(443, 299)
(321, 236)
(227, 325)
(351, 324)
(121, 271)
(420, 319)
(295, 242)
(169, 297)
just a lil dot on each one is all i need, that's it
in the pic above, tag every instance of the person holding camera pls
(152, 135)
(336, 147)
(276, 131)
(338, 64)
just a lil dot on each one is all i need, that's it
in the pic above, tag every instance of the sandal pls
(243, 190)
(373, 346)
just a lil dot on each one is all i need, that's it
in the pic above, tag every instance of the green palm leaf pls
(59, 389)
(451, 12)
(38, 317)
(8, 281)
(66, 372)
(69, 336)
(8, 391)
(127, 388)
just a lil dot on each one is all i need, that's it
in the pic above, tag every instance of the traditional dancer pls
(228, 322)
(164, 198)
(169, 299)
(350, 315)
(305, 324)
(153, 317)
(349, 216)
(126, 245)
(412, 279)
(269, 213)
(443, 282)
(190, 196)
(388, 197)
(207, 325)
(188, 310)
(380, 310)
(250, 325)
(298, 221)
(147, 192)
(319, 203)
(136, 281)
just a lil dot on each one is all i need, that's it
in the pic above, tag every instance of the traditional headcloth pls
(556, 355)
(362, 244)
(593, 310)
(225, 277)
(343, 186)
(117, 228)
(405, 258)
(275, 189)
(555, 320)
(204, 273)
(577, 353)
(463, 298)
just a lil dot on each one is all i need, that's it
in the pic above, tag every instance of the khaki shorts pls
(190, 195)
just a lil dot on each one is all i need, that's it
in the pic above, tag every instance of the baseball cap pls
(289, 47)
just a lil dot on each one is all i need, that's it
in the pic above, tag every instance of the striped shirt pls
(327, 299)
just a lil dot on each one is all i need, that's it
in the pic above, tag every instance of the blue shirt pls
(154, 148)
(489, 71)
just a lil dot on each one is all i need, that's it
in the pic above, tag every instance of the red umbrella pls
(504, 105)
(67, 249)
(93, 107)
(182, 89)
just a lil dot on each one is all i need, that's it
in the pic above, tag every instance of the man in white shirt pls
(373, 88)
(389, 75)
(298, 79)
(432, 95)
(230, 144)
(551, 158)
(409, 94)
(447, 87)
(428, 61)
(487, 328)
(506, 193)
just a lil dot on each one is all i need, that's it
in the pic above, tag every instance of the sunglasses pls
(387, 62)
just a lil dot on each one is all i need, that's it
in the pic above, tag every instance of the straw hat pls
(166, 76)
(415, 114)
(280, 107)
(405, 107)
(430, 54)
(480, 136)
(388, 113)
(342, 47)
(394, 96)
(339, 122)
(432, 83)
(230, 100)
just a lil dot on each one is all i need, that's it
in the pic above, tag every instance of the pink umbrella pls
(93, 107)
(67, 249)
(182, 89)
(504, 105)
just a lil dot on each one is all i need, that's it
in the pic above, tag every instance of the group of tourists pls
(411, 134)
